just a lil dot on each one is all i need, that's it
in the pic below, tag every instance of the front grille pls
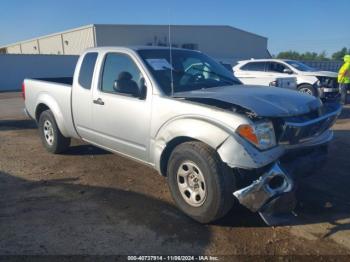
(328, 82)
(299, 129)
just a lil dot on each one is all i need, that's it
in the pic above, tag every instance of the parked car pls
(322, 84)
(266, 80)
(185, 115)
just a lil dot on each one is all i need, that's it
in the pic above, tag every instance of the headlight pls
(260, 134)
(324, 81)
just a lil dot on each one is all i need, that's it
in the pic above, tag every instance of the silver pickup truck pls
(188, 117)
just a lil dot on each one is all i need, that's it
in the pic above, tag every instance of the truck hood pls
(263, 101)
(320, 73)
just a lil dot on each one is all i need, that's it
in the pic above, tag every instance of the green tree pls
(303, 56)
(323, 56)
(289, 55)
(340, 54)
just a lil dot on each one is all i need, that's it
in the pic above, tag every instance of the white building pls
(225, 43)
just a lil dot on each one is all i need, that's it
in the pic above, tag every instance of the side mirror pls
(287, 71)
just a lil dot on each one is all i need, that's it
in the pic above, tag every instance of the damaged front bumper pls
(272, 194)
(270, 185)
(266, 180)
(329, 93)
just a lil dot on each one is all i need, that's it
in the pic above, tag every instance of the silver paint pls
(144, 129)
(256, 195)
(267, 102)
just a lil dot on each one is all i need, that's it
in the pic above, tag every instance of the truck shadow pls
(320, 206)
(239, 216)
(85, 149)
(62, 217)
(7, 125)
(325, 196)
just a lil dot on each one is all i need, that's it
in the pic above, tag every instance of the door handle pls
(98, 101)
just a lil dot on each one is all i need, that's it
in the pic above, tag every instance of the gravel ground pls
(88, 201)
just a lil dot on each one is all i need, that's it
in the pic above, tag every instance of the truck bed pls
(57, 93)
(60, 80)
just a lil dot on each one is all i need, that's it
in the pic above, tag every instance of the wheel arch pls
(304, 83)
(39, 109)
(184, 130)
(170, 146)
(46, 102)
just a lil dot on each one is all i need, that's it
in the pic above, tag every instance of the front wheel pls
(307, 89)
(200, 183)
(51, 136)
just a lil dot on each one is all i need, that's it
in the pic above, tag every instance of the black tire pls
(219, 181)
(59, 142)
(307, 89)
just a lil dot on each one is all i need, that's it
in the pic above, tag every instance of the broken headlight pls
(324, 81)
(260, 134)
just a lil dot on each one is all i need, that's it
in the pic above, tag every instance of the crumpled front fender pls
(201, 129)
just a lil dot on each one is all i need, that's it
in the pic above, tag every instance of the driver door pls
(121, 115)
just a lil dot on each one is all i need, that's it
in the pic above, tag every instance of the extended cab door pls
(82, 95)
(121, 109)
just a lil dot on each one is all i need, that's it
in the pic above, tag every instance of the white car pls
(321, 84)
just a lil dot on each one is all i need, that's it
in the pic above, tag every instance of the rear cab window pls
(87, 70)
(254, 66)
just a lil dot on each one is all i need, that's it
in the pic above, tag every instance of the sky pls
(309, 25)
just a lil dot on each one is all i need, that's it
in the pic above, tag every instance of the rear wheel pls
(200, 183)
(51, 136)
(307, 89)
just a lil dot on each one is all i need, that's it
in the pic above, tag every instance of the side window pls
(87, 70)
(275, 67)
(121, 75)
(254, 66)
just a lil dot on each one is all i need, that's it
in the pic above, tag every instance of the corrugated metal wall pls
(15, 49)
(222, 42)
(51, 45)
(30, 47)
(68, 43)
(77, 41)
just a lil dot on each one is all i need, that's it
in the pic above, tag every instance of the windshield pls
(190, 70)
(300, 66)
